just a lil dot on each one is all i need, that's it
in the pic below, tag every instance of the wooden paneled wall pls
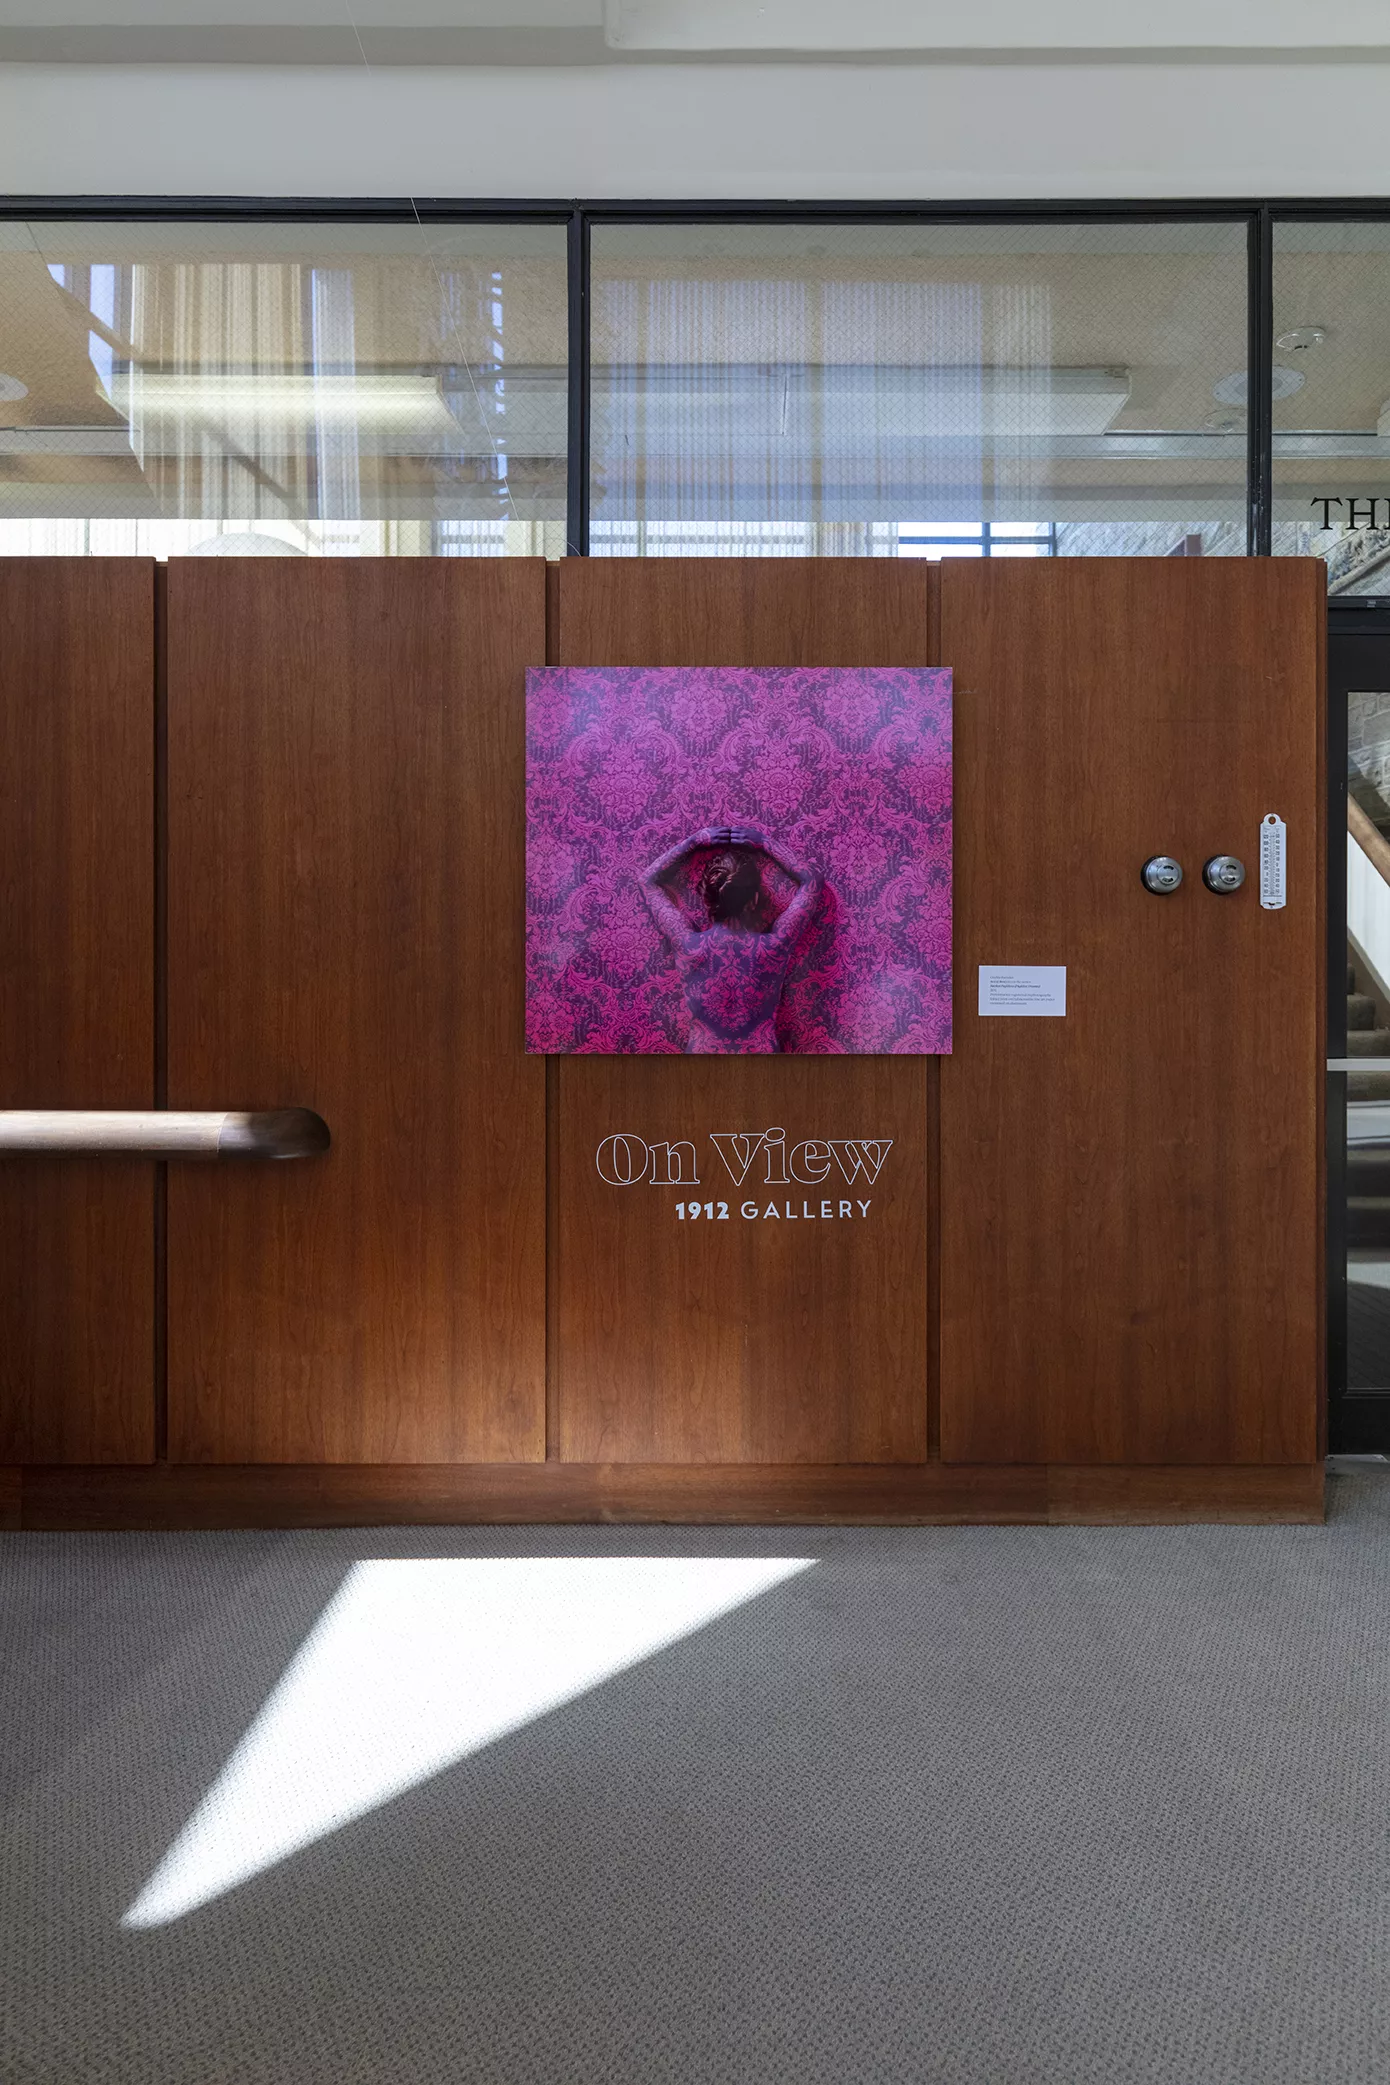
(77, 1003)
(346, 862)
(1094, 1242)
(1131, 1266)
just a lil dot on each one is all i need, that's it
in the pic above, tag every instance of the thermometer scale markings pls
(1273, 832)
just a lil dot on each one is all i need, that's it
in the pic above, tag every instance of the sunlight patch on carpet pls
(414, 1665)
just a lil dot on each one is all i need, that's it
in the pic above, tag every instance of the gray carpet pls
(974, 1805)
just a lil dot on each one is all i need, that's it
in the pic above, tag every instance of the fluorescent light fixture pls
(384, 414)
(415, 1665)
(826, 407)
(282, 395)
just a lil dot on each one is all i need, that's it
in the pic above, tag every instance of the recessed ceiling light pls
(11, 389)
(1235, 388)
(1300, 338)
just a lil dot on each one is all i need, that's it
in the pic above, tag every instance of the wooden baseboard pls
(430, 1495)
(1136, 1494)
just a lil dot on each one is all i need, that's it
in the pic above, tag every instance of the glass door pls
(1358, 1228)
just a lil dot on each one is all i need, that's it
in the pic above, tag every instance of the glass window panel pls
(326, 389)
(1368, 1036)
(1332, 400)
(845, 380)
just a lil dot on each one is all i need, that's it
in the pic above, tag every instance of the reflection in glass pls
(890, 390)
(1368, 1035)
(282, 389)
(1332, 400)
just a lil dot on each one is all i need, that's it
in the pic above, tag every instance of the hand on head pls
(730, 836)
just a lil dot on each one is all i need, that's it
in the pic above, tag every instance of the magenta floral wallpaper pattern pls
(738, 859)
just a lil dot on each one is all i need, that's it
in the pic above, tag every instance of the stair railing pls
(1369, 839)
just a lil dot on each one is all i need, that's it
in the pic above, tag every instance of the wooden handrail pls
(1373, 844)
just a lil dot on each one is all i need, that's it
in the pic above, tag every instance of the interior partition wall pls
(493, 378)
(304, 378)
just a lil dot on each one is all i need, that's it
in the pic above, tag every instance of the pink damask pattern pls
(846, 770)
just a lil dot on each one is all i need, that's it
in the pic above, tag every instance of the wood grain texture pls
(499, 1494)
(1148, 1495)
(346, 755)
(1131, 1237)
(934, 1494)
(744, 1342)
(756, 611)
(747, 1340)
(76, 1002)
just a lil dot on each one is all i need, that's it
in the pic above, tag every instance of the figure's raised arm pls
(663, 907)
(671, 859)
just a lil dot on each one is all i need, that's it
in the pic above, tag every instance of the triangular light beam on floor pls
(412, 1666)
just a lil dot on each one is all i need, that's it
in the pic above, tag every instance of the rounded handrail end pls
(274, 1133)
(165, 1133)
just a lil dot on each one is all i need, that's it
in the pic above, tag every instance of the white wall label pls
(1272, 837)
(1023, 988)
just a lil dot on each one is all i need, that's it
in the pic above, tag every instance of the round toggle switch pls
(1223, 874)
(1161, 875)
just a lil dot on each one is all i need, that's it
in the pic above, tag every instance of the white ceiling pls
(608, 31)
(831, 26)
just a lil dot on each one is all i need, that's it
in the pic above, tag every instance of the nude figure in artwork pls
(734, 953)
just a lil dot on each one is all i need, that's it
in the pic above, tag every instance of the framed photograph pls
(738, 861)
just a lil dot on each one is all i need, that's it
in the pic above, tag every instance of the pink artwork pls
(737, 860)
